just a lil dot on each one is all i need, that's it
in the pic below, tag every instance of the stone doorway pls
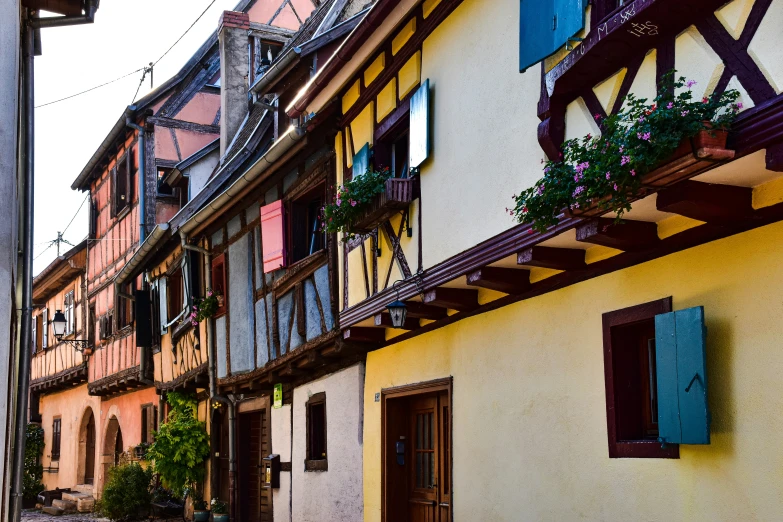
(85, 472)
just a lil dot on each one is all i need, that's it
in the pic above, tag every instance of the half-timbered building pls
(58, 379)
(560, 374)
(251, 235)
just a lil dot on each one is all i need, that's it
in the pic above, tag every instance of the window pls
(34, 337)
(630, 366)
(91, 329)
(176, 297)
(107, 326)
(316, 433)
(94, 214)
(219, 287)
(125, 307)
(121, 183)
(149, 422)
(56, 428)
(45, 329)
(157, 312)
(306, 237)
(164, 189)
(70, 319)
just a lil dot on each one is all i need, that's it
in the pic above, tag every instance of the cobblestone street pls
(30, 514)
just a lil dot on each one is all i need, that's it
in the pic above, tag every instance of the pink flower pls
(691, 83)
(685, 113)
(339, 202)
(209, 293)
(641, 119)
(578, 190)
(541, 190)
(353, 203)
(671, 104)
(194, 323)
(575, 206)
(621, 149)
(608, 175)
(739, 105)
(705, 100)
(625, 160)
(633, 172)
(645, 136)
(615, 187)
(597, 117)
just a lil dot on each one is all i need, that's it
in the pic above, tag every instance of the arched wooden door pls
(89, 457)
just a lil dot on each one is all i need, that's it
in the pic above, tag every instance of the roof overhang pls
(137, 262)
(60, 273)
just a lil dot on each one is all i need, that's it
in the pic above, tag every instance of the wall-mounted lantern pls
(59, 324)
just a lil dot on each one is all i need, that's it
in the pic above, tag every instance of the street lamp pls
(397, 309)
(59, 324)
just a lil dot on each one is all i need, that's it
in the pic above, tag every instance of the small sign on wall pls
(277, 402)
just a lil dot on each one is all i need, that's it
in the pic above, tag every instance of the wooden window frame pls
(125, 308)
(399, 392)
(220, 282)
(69, 309)
(640, 448)
(294, 210)
(149, 412)
(175, 292)
(45, 329)
(316, 464)
(35, 334)
(56, 437)
(119, 179)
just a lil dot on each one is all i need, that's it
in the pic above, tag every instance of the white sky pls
(126, 35)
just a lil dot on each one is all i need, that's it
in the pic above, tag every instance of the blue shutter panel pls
(361, 161)
(683, 413)
(545, 26)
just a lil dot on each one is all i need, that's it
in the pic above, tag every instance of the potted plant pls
(200, 513)
(206, 308)
(641, 148)
(219, 510)
(366, 201)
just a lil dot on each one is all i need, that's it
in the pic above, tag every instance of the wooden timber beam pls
(363, 335)
(463, 300)
(417, 310)
(629, 236)
(506, 280)
(554, 258)
(707, 202)
(384, 319)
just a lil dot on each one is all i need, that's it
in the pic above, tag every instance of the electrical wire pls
(77, 213)
(186, 32)
(44, 250)
(90, 89)
(144, 69)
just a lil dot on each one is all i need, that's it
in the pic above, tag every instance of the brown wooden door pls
(89, 457)
(430, 455)
(254, 501)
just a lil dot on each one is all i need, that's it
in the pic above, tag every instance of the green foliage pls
(204, 308)
(127, 494)
(219, 507)
(33, 470)
(607, 170)
(181, 445)
(351, 200)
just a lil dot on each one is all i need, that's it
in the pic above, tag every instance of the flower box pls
(399, 193)
(704, 151)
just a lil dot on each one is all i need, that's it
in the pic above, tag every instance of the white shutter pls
(45, 316)
(164, 316)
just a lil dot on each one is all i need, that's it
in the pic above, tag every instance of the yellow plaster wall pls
(386, 100)
(351, 95)
(362, 127)
(375, 68)
(529, 417)
(70, 405)
(403, 35)
(409, 75)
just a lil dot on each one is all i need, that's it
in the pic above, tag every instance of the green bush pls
(33, 470)
(181, 445)
(127, 494)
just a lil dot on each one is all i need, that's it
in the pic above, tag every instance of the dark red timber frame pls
(407, 391)
(640, 448)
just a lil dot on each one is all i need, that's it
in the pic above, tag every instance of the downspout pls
(142, 178)
(213, 394)
(22, 392)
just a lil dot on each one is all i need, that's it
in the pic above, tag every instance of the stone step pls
(51, 510)
(84, 503)
(83, 488)
(66, 505)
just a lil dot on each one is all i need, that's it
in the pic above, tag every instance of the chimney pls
(232, 34)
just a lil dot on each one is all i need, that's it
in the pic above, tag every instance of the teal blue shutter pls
(419, 134)
(361, 161)
(683, 413)
(545, 26)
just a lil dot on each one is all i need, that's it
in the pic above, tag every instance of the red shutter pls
(273, 236)
(219, 286)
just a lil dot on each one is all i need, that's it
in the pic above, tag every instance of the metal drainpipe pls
(22, 391)
(142, 178)
(213, 395)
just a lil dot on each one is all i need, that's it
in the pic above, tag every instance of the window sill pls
(317, 465)
(122, 213)
(643, 449)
